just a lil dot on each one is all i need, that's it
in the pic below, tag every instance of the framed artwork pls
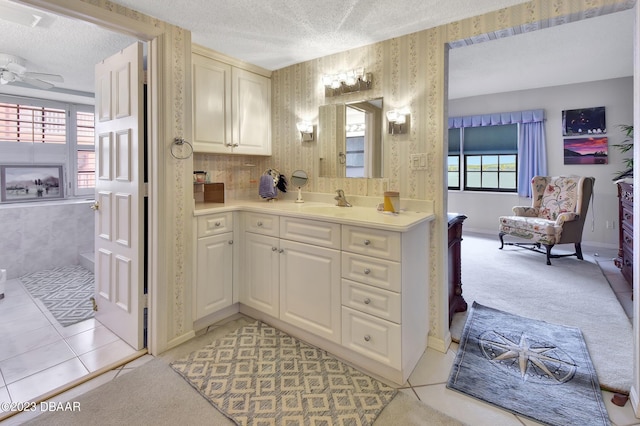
(585, 121)
(31, 183)
(586, 150)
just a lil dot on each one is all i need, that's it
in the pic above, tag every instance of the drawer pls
(260, 223)
(627, 215)
(371, 242)
(372, 337)
(213, 224)
(381, 273)
(627, 239)
(372, 300)
(324, 234)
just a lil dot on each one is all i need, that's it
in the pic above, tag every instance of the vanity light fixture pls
(398, 120)
(350, 81)
(306, 130)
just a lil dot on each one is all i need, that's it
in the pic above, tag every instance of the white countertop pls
(356, 215)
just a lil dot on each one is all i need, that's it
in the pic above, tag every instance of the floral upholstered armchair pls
(557, 216)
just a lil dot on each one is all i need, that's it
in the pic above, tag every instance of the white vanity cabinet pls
(214, 264)
(231, 108)
(356, 288)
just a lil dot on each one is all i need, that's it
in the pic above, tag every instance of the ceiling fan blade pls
(36, 83)
(16, 68)
(42, 76)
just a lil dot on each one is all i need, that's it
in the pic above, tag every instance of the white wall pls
(483, 209)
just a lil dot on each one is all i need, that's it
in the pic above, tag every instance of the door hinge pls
(145, 188)
(95, 305)
(145, 300)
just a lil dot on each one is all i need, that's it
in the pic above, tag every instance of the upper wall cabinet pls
(231, 109)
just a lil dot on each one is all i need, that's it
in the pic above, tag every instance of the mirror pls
(299, 179)
(350, 139)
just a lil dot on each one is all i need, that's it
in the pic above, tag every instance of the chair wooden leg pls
(500, 235)
(548, 247)
(579, 251)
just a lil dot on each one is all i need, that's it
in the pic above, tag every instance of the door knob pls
(95, 206)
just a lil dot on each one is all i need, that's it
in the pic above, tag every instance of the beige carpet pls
(154, 394)
(569, 292)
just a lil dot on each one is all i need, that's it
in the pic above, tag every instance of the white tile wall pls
(37, 236)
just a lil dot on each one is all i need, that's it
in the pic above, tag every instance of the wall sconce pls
(398, 120)
(306, 130)
(354, 80)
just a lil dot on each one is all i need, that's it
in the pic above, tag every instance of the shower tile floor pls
(38, 355)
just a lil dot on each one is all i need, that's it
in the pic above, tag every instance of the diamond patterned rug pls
(258, 375)
(65, 291)
(532, 368)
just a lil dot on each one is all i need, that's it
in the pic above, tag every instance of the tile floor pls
(427, 383)
(38, 355)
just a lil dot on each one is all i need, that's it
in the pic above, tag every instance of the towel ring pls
(180, 142)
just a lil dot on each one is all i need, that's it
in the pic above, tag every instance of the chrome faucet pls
(342, 201)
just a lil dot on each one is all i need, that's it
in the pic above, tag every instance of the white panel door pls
(119, 239)
(310, 288)
(251, 113)
(211, 105)
(260, 288)
(214, 274)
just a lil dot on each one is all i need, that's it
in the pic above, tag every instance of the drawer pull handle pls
(367, 338)
(628, 239)
(217, 223)
(259, 223)
(274, 248)
(367, 271)
(230, 242)
(367, 242)
(367, 301)
(281, 251)
(627, 216)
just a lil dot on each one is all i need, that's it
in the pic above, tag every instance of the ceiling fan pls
(12, 69)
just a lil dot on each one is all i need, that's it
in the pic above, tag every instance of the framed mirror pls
(350, 139)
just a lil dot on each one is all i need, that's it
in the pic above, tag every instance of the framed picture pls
(585, 121)
(31, 183)
(586, 151)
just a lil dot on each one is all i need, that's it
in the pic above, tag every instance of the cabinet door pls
(251, 113)
(214, 281)
(310, 288)
(211, 105)
(260, 288)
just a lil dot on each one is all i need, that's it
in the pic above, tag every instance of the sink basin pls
(323, 209)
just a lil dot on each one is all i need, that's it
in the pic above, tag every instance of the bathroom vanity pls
(351, 280)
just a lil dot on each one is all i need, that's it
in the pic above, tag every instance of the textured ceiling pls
(277, 33)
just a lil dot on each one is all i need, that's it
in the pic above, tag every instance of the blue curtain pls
(532, 153)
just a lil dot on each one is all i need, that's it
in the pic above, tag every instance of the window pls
(490, 156)
(35, 124)
(46, 132)
(85, 152)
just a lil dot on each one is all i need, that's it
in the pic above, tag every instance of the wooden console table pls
(456, 301)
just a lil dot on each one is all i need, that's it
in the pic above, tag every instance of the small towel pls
(267, 188)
